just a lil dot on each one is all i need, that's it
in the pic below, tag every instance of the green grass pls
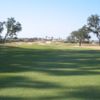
(49, 72)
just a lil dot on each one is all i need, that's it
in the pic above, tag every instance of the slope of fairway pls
(49, 72)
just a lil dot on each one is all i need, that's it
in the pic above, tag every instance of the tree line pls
(10, 27)
(83, 34)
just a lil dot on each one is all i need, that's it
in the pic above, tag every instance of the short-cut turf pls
(49, 72)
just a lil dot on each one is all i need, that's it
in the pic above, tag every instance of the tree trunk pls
(98, 36)
(80, 43)
(99, 41)
(5, 38)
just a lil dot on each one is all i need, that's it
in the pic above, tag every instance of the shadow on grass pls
(71, 93)
(13, 98)
(52, 62)
(76, 93)
(18, 81)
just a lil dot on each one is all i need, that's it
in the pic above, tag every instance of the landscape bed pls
(49, 72)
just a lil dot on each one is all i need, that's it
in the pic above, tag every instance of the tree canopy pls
(81, 35)
(11, 28)
(93, 24)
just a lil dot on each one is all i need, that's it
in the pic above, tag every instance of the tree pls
(78, 36)
(12, 28)
(85, 33)
(71, 39)
(1, 29)
(93, 23)
(81, 35)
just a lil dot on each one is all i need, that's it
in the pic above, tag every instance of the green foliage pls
(12, 28)
(71, 39)
(93, 23)
(80, 35)
(1, 29)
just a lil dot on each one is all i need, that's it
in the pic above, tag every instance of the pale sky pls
(40, 18)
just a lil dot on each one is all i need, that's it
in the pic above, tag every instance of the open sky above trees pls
(41, 18)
